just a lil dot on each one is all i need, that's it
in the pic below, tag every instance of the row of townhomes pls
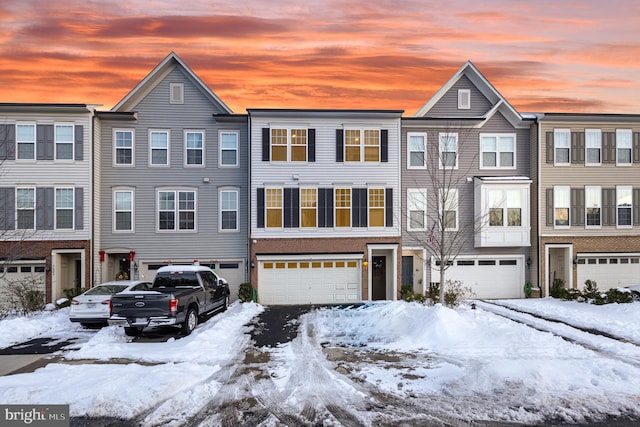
(318, 206)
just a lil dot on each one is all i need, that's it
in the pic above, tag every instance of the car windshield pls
(106, 290)
(172, 279)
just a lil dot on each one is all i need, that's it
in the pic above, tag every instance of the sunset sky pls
(550, 55)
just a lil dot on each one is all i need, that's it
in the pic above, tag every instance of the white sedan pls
(93, 306)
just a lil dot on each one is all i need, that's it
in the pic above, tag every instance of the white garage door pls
(233, 272)
(609, 270)
(490, 278)
(300, 281)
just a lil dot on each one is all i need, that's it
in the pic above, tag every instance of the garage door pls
(609, 270)
(14, 277)
(305, 281)
(490, 278)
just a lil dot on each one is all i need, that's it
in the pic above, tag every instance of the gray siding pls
(155, 112)
(448, 104)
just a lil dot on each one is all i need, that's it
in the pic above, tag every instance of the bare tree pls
(451, 155)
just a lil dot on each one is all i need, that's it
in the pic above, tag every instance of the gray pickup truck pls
(180, 295)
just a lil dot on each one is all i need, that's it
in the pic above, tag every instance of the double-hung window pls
(416, 150)
(623, 205)
(417, 208)
(123, 210)
(26, 208)
(308, 207)
(123, 147)
(449, 208)
(273, 207)
(159, 147)
(498, 151)
(561, 206)
(229, 210)
(26, 141)
(593, 146)
(64, 208)
(343, 207)
(593, 206)
(505, 208)
(361, 145)
(448, 150)
(562, 146)
(64, 141)
(376, 207)
(623, 147)
(228, 148)
(194, 148)
(176, 210)
(288, 145)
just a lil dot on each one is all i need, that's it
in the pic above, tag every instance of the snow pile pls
(18, 329)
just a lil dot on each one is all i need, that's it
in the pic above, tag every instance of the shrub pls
(455, 292)
(245, 293)
(24, 294)
(616, 295)
(590, 290)
(407, 294)
(434, 291)
(527, 290)
(557, 288)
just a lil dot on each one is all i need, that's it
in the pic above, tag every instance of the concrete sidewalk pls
(21, 363)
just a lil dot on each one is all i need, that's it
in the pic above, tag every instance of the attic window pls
(176, 93)
(464, 99)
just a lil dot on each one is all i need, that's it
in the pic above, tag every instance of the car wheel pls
(636, 296)
(190, 322)
(132, 331)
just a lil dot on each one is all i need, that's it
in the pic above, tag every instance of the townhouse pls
(172, 180)
(325, 205)
(587, 169)
(46, 215)
(466, 190)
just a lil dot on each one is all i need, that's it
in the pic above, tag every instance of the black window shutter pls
(79, 224)
(636, 206)
(291, 208)
(321, 210)
(45, 208)
(325, 207)
(636, 147)
(79, 138)
(44, 142)
(577, 147)
(577, 206)
(388, 206)
(359, 207)
(550, 147)
(260, 206)
(384, 145)
(339, 145)
(608, 147)
(311, 145)
(608, 206)
(266, 153)
(7, 208)
(549, 207)
(7, 142)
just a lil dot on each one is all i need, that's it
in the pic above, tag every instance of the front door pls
(379, 278)
(407, 271)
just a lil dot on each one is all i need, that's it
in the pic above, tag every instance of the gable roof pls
(155, 77)
(498, 102)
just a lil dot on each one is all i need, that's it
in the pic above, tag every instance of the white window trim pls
(186, 149)
(586, 191)
(266, 208)
(35, 145)
(630, 132)
(555, 139)
(26, 187)
(289, 144)
(133, 211)
(159, 165)
(133, 150)
(556, 206)
(362, 151)
(72, 142)
(315, 189)
(586, 148)
(498, 136)
(335, 207)
(442, 206)
(384, 208)
(172, 90)
(448, 134)
(464, 95)
(176, 209)
(630, 189)
(237, 210)
(55, 208)
(411, 191)
(237, 134)
(424, 137)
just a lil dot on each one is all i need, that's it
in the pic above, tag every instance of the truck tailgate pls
(140, 304)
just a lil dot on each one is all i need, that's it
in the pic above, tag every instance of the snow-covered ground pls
(375, 364)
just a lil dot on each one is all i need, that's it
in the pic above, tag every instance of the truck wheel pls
(132, 331)
(190, 322)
